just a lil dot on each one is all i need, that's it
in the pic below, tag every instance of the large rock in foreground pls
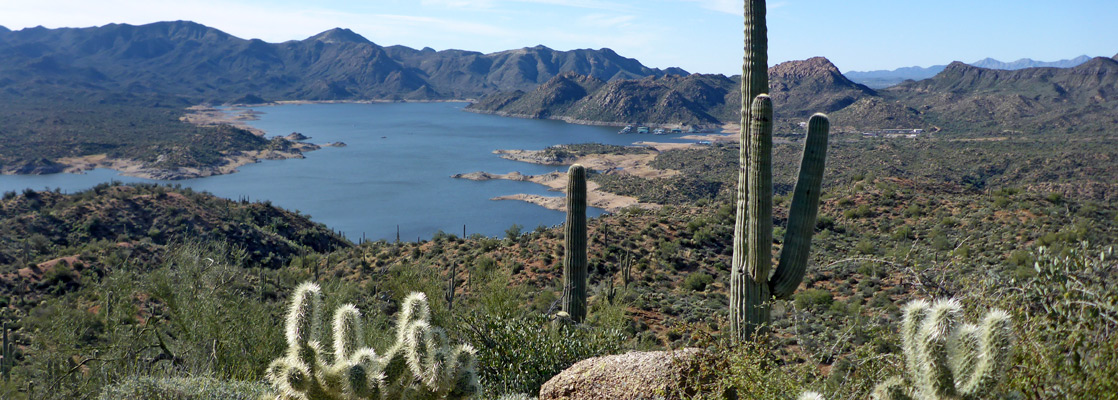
(631, 376)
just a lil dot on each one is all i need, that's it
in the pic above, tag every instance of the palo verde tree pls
(753, 283)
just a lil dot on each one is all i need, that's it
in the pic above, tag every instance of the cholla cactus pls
(811, 396)
(945, 359)
(420, 365)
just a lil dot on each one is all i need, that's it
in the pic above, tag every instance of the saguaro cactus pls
(751, 286)
(421, 365)
(574, 254)
(7, 356)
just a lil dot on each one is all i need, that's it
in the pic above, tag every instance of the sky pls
(702, 36)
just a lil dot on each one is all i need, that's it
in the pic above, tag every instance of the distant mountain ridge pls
(961, 98)
(881, 79)
(1081, 98)
(1023, 63)
(197, 62)
(799, 87)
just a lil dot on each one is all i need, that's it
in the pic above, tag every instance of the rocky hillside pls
(964, 97)
(187, 59)
(961, 98)
(49, 222)
(798, 88)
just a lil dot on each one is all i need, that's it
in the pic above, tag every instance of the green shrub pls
(813, 297)
(745, 371)
(1066, 346)
(151, 388)
(519, 354)
(697, 281)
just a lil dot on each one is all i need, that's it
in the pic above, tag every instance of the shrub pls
(813, 297)
(1066, 346)
(697, 281)
(519, 354)
(151, 388)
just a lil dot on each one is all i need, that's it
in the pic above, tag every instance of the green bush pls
(813, 297)
(150, 388)
(519, 354)
(1069, 311)
(744, 371)
(697, 281)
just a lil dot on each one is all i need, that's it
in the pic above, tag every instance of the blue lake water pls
(395, 170)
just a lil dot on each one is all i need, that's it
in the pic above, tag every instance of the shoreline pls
(198, 115)
(622, 164)
(725, 128)
(557, 181)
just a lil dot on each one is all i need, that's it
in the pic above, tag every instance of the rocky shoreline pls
(197, 115)
(557, 181)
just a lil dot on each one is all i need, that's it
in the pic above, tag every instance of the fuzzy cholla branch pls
(420, 365)
(948, 359)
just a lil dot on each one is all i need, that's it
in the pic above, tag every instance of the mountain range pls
(698, 99)
(961, 98)
(200, 63)
(881, 79)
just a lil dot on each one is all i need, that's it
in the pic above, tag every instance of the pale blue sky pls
(697, 35)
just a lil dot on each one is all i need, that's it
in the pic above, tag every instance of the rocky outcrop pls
(630, 376)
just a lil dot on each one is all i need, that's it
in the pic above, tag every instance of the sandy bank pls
(140, 169)
(557, 181)
(209, 116)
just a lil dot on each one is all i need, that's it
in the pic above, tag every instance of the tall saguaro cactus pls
(753, 284)
(755, 64)
(574, 254)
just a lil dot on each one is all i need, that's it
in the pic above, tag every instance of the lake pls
(395, 170)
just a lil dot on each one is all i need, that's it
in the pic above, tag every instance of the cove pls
(395, 169)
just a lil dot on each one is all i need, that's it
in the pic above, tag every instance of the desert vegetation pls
(144, 291)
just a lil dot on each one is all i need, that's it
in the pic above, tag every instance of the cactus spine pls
(945, 359)
(751, 287)
(421, 365)
(574, 254)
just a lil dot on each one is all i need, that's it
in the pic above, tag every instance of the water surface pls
(395, 170)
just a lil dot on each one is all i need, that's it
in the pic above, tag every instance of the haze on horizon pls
(697, 35)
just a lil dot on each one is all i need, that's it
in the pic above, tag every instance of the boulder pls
(652, 375)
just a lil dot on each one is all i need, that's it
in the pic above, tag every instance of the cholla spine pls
(421, 365)
(947, 359)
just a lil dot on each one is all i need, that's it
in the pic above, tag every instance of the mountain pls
(961, 98)
(1023, 63)
(200, 63)
(472, 74)
(798, 89)
(965, 97)
(881, 79)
